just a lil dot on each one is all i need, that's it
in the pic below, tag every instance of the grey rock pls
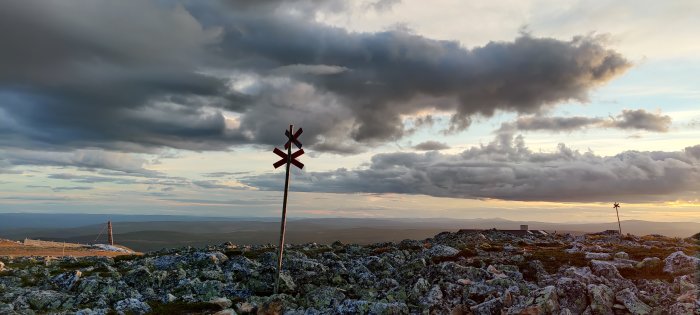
(602, 299)
(649, 263)
(131, 306)
(433, 297)
(324, 297)
(441, 251)
(572, 295)
(680, 263)
(627, 298)
(599, 256)
(67, 280)
(490, 307)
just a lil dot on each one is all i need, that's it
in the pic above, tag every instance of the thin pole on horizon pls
(288, 159)
(617, 205)
(283, 223)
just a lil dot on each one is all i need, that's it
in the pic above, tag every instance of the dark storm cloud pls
(137, 76)
(506, 169)
(431, 145)
(629, 119)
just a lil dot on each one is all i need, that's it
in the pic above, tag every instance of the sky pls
(523, 110)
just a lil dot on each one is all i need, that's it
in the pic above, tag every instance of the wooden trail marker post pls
(617, 205)
(288, 158)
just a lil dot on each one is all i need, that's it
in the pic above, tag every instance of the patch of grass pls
(125, 258)
(255, 254)
(648, 273)
(180, 307)
(28, 281)
(639, 253)
(76, 265)
(317, 251)
(553, 258)
(381, 250)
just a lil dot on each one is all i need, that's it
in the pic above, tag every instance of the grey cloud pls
(77, 76)
(629, 119)
(506, 169)
(224, 174)
(431, 145)
(89, 159)
(69, 188)
(641, 119)
(214, 184)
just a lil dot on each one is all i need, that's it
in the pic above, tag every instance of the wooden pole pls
(283, 224)
(110, 239)
(619, 227)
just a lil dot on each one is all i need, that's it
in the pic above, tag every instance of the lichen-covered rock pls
(543, 301)
(680, 263)
(598, 256)
(683, 309)
(572, 295)
(489, 307)
(627, 298)
(433, 297)
(601, 298)
(131, 306)
(324, 297)
(66, 280)
(46, 300)
(441, 251)
(649, 263)
(492, 273)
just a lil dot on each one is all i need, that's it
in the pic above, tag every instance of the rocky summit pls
(466, 272)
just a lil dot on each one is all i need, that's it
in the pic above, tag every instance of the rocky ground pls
(488, 272)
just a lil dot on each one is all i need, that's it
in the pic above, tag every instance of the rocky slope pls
(488, 272)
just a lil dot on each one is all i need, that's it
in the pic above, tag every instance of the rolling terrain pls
(145, 233)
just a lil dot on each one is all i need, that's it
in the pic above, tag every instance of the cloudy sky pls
(525, 110)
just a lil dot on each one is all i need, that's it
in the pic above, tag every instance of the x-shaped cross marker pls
(293, 138)
(284, 158)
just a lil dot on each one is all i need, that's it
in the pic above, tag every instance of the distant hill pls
(174, 231)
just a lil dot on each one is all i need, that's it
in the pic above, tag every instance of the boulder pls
(572, 295)
(605, 269)
(441, 251)
(622, 255)
(649, 263)
(599, 256)
(602, 299)
(543, 301)
(682, 309)
(67, 280)
(131, 306)
(324, 297)
(433, 297)
(627, 298)
(680, 263)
